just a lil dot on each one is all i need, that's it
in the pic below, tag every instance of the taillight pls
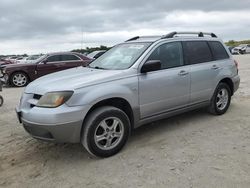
(237, 65)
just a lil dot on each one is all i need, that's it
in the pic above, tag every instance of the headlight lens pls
(54, 99)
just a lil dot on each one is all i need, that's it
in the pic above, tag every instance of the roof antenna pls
(200, 34)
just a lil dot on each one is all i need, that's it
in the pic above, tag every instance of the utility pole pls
(82, 38)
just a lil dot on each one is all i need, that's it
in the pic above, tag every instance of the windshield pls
(120, 57)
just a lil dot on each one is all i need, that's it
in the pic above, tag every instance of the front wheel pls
(19, 79)
(106, 131)
(221, 99)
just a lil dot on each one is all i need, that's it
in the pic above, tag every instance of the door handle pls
(183, 73)
(215, 67)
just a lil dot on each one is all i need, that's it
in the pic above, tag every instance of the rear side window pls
(218, 50)
(70, 58)
(197, 52)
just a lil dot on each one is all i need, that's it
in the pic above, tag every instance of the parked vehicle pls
(30, 59)
(20, 75)
(241, 49)
(5, 62)
(12, 59)
(96, 54)
(230, 48)
(19, 59)
(1, 98)
(139, 81)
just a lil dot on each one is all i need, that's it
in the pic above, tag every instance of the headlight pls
(54, 99)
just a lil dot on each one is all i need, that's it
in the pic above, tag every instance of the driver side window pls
(170, 55)
(54, 58)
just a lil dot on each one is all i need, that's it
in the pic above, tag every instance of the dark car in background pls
(4, 62)
(20, 75)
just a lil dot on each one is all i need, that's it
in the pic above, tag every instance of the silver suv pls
(139, 81)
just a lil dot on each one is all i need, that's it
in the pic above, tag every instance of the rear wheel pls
(106, 131)
(19, 79)
(221, 99)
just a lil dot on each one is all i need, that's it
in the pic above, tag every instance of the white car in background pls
(241, 49)
(29, 59)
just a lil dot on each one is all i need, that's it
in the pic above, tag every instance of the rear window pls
(218, 50)
(197, 52)
(70, 58)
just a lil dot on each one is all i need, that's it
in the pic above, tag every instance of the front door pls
(169, 88)
(52, 64)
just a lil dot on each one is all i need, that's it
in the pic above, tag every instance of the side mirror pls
(152, 65)
(45, 61)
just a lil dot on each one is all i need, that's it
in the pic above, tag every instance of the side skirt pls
(171, 113)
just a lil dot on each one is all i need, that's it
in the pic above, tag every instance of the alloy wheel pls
(222, 99)
(19, 80)
(109, 133)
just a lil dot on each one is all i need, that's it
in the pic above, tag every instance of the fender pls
(124, 88)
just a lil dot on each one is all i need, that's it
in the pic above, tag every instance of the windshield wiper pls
(96, 67)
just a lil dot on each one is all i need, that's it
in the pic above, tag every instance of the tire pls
(19, 79)
(1, 100)
(110, 141)
(221, 99)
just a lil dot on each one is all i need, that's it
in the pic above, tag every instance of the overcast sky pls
(32, 26)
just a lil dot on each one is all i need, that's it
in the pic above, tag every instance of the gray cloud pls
(59, 23)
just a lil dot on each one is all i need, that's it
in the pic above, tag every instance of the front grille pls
(33, 101)
(37, 97)
(32, 106)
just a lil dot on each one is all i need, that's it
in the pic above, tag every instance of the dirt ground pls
(194, 149)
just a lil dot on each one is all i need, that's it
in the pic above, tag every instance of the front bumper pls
(60, 125)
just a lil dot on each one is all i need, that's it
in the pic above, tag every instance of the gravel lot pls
(194, 149)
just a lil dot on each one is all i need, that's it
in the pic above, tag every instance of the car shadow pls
(75, 152)
(167, 125)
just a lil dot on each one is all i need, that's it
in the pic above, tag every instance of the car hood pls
(72, 79)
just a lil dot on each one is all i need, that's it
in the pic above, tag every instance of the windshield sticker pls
(138, 47)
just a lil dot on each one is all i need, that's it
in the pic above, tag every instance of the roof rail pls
(134, 38)
(200, 34)
(144, 37)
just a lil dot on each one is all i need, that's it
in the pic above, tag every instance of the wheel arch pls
(18, 71)
(229, 82)
(117, 102)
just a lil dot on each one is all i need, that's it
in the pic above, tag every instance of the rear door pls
(70, 61)
(169, 88)
(203, 70)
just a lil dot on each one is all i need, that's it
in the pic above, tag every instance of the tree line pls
(89, 50)
(237, 43)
